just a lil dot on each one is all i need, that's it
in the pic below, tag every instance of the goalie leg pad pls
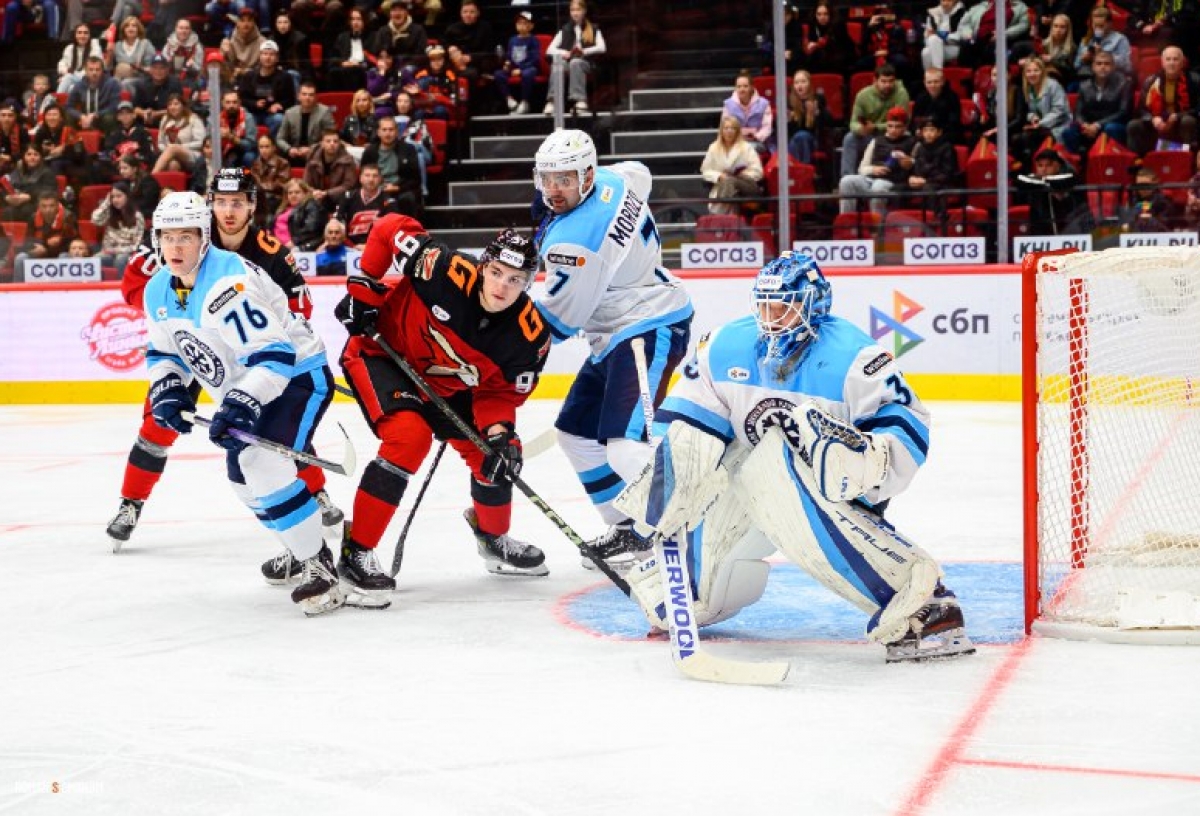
(850, 551)
(677, 486)
(846, 462)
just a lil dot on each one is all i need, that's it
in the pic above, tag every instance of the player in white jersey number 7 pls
(791, 430)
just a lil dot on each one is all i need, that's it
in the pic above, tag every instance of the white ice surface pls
(170, 679)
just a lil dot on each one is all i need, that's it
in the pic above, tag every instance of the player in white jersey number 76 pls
(791, 430)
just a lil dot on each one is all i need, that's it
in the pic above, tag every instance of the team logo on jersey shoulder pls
(606, 195)
(440, 313)
(877, 364)
(427, 262)
(738, 374)
(565, 260)
(220, 300)
(770, 413)
(200, 358)
(160, 313)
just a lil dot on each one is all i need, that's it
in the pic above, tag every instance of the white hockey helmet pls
(182, 211)
(562, 152)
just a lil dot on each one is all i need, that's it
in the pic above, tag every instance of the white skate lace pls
(367, 562)
(282, 563)
(128, 514)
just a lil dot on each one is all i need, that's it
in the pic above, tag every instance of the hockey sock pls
(314, 477)
(147, 459)
(493, 507)
(375, 502)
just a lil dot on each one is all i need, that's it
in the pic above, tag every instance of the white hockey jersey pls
(232, 330)
(727, 390)
(604, 270)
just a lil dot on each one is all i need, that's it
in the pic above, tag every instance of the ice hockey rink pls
(170, 679)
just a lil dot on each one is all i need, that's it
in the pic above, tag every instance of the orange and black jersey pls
(265, 250)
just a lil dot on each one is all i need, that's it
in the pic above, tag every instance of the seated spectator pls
(242, 48)
(271, 172)
(267, 91)
(1102, 37)
(79, 249)
(304, 217)
(59, 144)
(1167, 113)
(1102, 107)
(123, 226)
(869, 115)
(330, 171)
(303, 125)
(128, 137)
(75, 55)
(93, 100)
(13, 138)
(438, 85)
(941, 34)
(886, 165)
(579, 43)
(28, 13)
(1041, 111)
(295, 54)
(238, 132)
(884, 42)
(201, 176)
(360, 208)
(20, 189)
(151, 94)
(349, 57)
(1160, 23)
(144, 189)
(221, 20)
(129, 58)
(935, 166)
(522, 60)
(384, 82)
(977, 32)
(826, 46)
(731, 165)
(1056, 207)
(1058, 51)
(476, 41)
(331, 254)
(404, 38)
(48, 233)
(939, 101)
(400, 167)
(36, 99)
(359, 128)
(809, 119)
(411, 124)
(180, 137)
(753, 112)
(185, 55)
(1148, 208)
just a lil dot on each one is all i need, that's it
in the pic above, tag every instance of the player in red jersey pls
(473, 333)
(232, 196)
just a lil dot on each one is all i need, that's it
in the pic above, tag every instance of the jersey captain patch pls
(770, 413)
(201, 359)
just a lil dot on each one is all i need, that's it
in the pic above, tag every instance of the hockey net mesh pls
(1118, 464)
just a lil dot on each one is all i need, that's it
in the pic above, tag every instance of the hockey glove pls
(846, 462)
(503, 464)
(359, 310)
(238, 411)
(169, 400)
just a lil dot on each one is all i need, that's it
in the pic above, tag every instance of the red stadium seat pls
(965, 221)
(856, 225)
(91, 233)
(721, 228)
(833, 87)
(1171, 167)
(90, 197)
(981, 174)
(438, 129)
(338, 102)
(762, 227)
(901, 224)
(175, 180)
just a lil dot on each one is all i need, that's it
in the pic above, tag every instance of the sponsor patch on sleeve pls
(220, 300)
(564, 260)
(876, 365)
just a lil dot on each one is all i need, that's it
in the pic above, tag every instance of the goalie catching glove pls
(503, 464)
(846, 462)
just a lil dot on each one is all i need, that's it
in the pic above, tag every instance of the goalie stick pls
(680, 611)
(344, 468)
(398, 557)
(472, 436)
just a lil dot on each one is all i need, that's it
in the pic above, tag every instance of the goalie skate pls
(935, 631)
(505, 555)
(124, 522)
(319, 589)
(620, 547)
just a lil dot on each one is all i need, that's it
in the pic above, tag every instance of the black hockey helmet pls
(233, 180)
(512, 249)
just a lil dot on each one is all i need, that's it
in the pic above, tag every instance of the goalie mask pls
(790, 299)
(182, 211)
(514, 251)
(565, 151)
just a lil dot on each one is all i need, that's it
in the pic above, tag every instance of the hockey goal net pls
(1112, 444)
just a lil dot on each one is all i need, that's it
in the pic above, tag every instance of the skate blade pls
(620, 567)
(942, 646)
(117, 543)
(508, 570)
(331, 599)
(282, 581)
(360, 599)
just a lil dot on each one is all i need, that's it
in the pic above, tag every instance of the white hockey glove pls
(846, 462)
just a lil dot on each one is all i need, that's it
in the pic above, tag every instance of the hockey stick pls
(541, 443)
(680, 612)
(344, 468)
(472, 436)
(398, 558)
(343, 390)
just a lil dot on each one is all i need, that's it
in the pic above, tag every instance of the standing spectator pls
(358, 130)
(886, 165)
(1167, 112)
(93, 100)
(1041, 111)
(48, 233)
(305, 217)
(295, 55)
(1103, 106)
(939, 101)
(869, 114)
(241, 50)
(826, 45)
(123, 226)
(404, 38)
(75, 55)
(330, 171)
(185, 55)
(578, 43)
(331, 254)
(522, 59)
(438, 85)
(180, 137)
(941, 34)
(348, 58)
(474, 37)
(303, 125)
(130, 55)
(809, 119)
(19, 190)
(935, 165)
(753, 112)
(411, 124)
(268, 91)
(13, 138)
(1102, 37)
(400, 167)
(1058, 50)
(29, 12)
(360, 208)
(238, 132)
(731, 165)
(271, 173)
(144, 189)
(151, 95)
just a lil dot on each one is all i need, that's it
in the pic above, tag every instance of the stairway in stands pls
(679, 69)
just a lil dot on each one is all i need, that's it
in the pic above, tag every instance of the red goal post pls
(1111, 437)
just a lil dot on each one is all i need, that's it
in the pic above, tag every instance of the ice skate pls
(504, 555)
(935, 631)
(365, 583)
(331, 516)
(620, 548)
(123, 523)
(282, 569)
(319, 589)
